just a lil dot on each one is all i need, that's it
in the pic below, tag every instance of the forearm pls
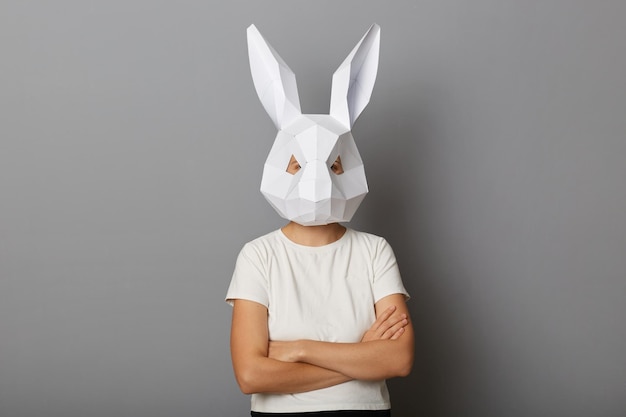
(266, 375)
(255, 371)
(386, 350)
(375, 360)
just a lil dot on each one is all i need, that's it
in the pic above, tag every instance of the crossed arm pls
(261, 365)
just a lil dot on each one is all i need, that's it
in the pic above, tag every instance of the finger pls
(383, 317)
(397, 334)
(391, 330)
(388, 324)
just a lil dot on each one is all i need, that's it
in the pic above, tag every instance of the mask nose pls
(315, 183)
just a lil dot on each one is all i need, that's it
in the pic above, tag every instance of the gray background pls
(131, 151)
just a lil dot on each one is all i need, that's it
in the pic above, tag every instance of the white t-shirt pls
(324, 293)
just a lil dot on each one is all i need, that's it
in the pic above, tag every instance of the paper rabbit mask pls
(314, 174)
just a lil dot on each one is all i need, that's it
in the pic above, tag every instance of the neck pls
(313, 235)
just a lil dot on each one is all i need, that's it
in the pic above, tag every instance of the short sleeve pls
(387, 279)
(249, 282)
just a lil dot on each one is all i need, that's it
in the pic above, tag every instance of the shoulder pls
(369, 240)
(255, 256)
(262, 248)
(261, 243)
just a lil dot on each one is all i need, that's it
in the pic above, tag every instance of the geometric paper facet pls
(317, 193)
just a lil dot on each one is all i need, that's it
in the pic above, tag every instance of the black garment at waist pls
(341, 413)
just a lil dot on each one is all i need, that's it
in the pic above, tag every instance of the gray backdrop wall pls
(131, 150)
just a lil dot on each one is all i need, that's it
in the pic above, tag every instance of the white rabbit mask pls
(328, 182)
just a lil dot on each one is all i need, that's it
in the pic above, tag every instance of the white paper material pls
(315, 194)
(353, 81)
(274, 81)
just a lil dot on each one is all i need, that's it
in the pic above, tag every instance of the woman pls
(319, 314)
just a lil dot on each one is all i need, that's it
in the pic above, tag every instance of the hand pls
(284, 351)
(387, 326)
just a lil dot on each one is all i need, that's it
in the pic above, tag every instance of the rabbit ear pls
(353, 81)
(274, 82)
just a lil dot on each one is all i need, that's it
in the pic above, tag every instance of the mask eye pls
(293, 166)
(336, 167)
